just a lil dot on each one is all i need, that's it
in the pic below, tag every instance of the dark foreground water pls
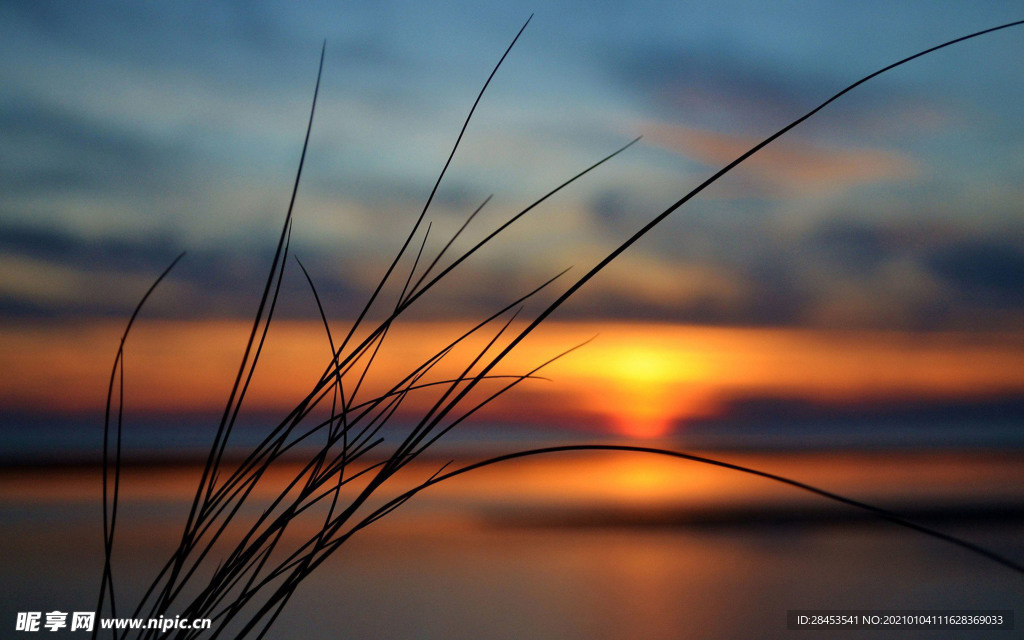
(587, 547)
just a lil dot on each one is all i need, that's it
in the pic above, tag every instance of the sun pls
(642, 381)
(644, 365)
(645, 390)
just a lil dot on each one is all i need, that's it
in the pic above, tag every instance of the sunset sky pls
(870, 262)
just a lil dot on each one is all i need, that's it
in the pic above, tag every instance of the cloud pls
(982, 271)
(176, 127)
(57, 273)
(854, 245)
(55, 150)
(785, 167)
(844, 271)
(713, 86)
(740, 86)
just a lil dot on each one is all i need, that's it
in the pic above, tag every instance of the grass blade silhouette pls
(255, 578)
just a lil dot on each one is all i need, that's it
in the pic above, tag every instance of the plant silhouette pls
(233, 564)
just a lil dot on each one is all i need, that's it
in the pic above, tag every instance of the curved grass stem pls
(257, 573)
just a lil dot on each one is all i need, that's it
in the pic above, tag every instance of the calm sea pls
(587, 546)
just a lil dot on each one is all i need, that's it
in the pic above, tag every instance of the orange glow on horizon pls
(639, 379)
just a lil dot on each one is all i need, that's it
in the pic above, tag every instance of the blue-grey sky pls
(133, 131)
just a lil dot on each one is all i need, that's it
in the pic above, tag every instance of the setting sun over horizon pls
(639, 380)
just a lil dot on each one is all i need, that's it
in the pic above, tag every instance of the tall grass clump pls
(234, 562)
